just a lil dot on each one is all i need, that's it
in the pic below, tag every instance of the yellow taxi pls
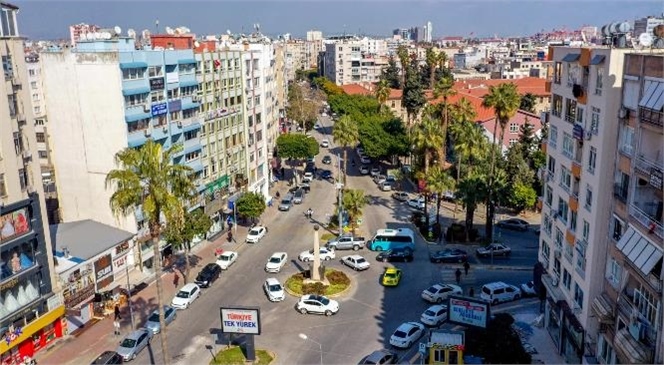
(391, 276)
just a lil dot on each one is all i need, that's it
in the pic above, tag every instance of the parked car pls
(380, 357)
(364, 170)
(134, 343)
(208, 275)
(317, 304)
(108, 358)
(416, 203)
(449, 255)
(276, 262)
(439, 292)
(226, 259)
(360, 151)
(515, 224)
(308, 176)
(346, 242)
(185, 296)
(448, 196)
(379, 179)
(495, 249)
(394, 255)
(375, 171)
(255, 234)
(528, 289)
(385, 186)
(406, 334)
(298, 196)
(365, 160)
(274, 290)
(434, 315)
(400, 196)
(355, 262)
(153, 324)
(325, 174)
(327, 159)
(499, 292)
(391, 276)
(286, 203)
(325, 255)
(325, 143)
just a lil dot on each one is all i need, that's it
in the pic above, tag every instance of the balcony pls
(645, 219)
(650, 116)
(645, 165)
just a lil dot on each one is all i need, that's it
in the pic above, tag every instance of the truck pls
(346, 242)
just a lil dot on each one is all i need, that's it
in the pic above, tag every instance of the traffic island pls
(235, 356)
(339, 283)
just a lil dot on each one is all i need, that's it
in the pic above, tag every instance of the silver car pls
(153, 324)
(286, 203)
(134, 343)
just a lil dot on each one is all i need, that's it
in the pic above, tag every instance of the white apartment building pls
(39, 109)
(314, 35)
(295, 57)
(346, 62)
(583, 129)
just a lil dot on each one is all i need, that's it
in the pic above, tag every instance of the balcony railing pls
(646, 221)
(645, 165)
(651, 116)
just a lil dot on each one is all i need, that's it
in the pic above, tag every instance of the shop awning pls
(631, 348)
(603, 308)
(653, 95)
(572, 57)
(552, 288)
(186, 83)
(640, 250)
(136, 91)
(598, 59)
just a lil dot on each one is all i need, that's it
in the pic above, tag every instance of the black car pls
(208, 275)
(108, 357)
(327, 160)
(395, 255)
(449, 255)
(325, 174)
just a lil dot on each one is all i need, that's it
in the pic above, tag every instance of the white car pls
(325, 143)
(434, 315)
(365, 160)
(440, 292)
(186, 296)
(375, 171)
(355, 262)
(364, 170)
(308, 177)
(255, 234)
(325, 255)
(528, 289)
(276, 262)
(416, 203)
(406, 335)
(274, 290)
(401, 196)
(317, 304)
(385, 186)
(360, 151)
(226, 259)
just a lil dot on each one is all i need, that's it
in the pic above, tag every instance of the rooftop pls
(85, 239)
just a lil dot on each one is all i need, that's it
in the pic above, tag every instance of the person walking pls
(116, 327)
(117, 313)
(176, 279)
(466, 266)
(457, 273)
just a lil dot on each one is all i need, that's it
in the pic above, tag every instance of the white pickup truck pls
(346, 242)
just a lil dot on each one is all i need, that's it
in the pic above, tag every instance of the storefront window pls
(17, 293)
(14, 259)
(14, 224)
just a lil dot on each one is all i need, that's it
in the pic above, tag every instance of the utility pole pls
(339, 197)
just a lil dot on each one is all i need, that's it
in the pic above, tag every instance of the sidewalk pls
(98, 337)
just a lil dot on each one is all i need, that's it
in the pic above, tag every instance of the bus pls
(387, 239)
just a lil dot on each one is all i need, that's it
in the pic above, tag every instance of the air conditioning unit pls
(146, 108)
(623, 113)
(27, 154)
(179, 124)
(165, 129)
(557, 253)
(588, 135)
(148, 133)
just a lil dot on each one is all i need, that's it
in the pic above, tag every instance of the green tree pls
(296, 146)
(490, 343)
(147, 179)
(404, 60)
(431, 58)
(391, 73)
(528, 141)
(445, 88)
(345, 133)
(194, 224)
(354, 202)
(471, 191)
(382, 92)
(505, 101)
(522, 196)
(250, 205)
(427, 137)
(528, 102)
(439, 181)
(413, 93)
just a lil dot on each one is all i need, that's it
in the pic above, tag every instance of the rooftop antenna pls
(156, 25)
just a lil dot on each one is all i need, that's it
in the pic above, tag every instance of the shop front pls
(215, 198)
(445, 347)
(572, 338)
(78, 292)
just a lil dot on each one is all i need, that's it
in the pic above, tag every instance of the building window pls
(626, 139)
(8, 67)
(618, 228)
(192, 155)
(570, 110)
(605, 351)
(552, 166)
(549, 196)
(557, 105)
(594, 121)
(589, 198)
(558, 72)
(138, 99)
(567, 279)
(599, 80)
(553, 136)
(563, 209)
(157, 96)
(154, 71)
(3, 187)
(568, 145)
(43, 154)
(565, 178)
(22, 178)
(133, 73)
(41, 138)
(581, 256)
(559, 238)
(578, 295)
(631, 93)
(572, 220)
(569, 252)
(613, 272)
(513, 141)
(514, 128)
(548, 224)
(586, 231)
(33, 85)
(139, 125)
(592, 159)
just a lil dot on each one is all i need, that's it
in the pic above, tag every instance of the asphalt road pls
(369, 312)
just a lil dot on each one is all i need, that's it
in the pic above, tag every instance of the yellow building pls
(446, 347)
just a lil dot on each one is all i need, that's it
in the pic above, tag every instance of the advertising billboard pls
(103, 271)
(468, 311)
(244, 320)
(14, 224)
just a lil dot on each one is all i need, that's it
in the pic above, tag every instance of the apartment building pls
(295, 57)
(104, 96)
(30, 310)
(349, 62)
(629, 308)
(583, 130)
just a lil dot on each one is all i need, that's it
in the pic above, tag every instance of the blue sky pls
(50, 19)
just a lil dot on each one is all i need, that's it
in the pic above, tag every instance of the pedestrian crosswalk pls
(446, 275)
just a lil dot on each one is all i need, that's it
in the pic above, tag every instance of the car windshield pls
(360, 260)
(324, 300)
(275, 287)
(254, 232)
(224, 258)
(275, 260)
(432, 289)
(183, 294)
(128, 343)
(390, 275)
(285, 201)
(154, 317)
(429, 312)
(400, 334)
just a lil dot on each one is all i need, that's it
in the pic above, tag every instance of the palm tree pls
(470, 191)
(382, 92)
(432, 62)
(445, 88)
(354, 201)
(404, 59)
(427, 138)
(468, 138)
(148, 180)
(345, 134)
(505, 101)
(439, 181)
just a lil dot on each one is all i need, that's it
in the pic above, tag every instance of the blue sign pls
(159, 109)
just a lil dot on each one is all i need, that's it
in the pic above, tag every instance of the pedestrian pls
(265, 229)
(117, 312)
(116, 327)
(176, 279)
(471, 292)
(466, 266)
(457, 273)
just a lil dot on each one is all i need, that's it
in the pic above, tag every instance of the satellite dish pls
(117, 30)
(196, 44)
(228, 31)
(169, 30)
(624, 27)
(658, 31)
(645, 39)
(131, 33)
(97, 35)
(108, 35)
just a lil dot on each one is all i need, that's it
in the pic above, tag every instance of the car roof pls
(104, 357)
(134, 335)
(437, 307)
(228, 253)
(406, 326)
(188, 287)
(377, 355)
(278, 254)
(156, 311)
(258, 227)
(496, 284)
(272, 281)
(355, 257)
(392, 270)
(211, 266)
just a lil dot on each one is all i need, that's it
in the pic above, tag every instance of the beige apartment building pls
(295, 57)
(346, 62)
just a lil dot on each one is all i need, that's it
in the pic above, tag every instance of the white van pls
(499, 292)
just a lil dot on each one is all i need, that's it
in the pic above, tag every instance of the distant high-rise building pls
(314, 35)
(646, 25)
(78, 30)
(428, 32)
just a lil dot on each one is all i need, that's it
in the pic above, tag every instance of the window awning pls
(572, 57)
(597, 59)
(136, 91)
(191, 127)
(640, 250)
(186, 61)
(653, 95)
(193, 148)
(127, 65)
(634, 351)
(135, 117)
(186, 83)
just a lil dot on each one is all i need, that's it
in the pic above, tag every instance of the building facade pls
(350, 62)
(31, 311)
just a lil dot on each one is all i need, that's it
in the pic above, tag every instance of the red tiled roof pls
(480, 88)
(482, 112)
(520, 119)
(355, 89)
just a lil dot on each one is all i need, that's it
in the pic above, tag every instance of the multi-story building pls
(428, 32)
(30, 310)
(629, 309)
(346, 63)
(295, 57)
(104, 96)
(78, 31)
(583, 129)
(314, 35)
(646, 25)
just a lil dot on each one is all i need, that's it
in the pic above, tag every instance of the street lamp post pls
(315, 270)
(339, 197)
(320, 346)
(131, 309)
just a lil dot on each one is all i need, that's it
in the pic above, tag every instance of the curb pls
(336, 295)
(506, 268)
